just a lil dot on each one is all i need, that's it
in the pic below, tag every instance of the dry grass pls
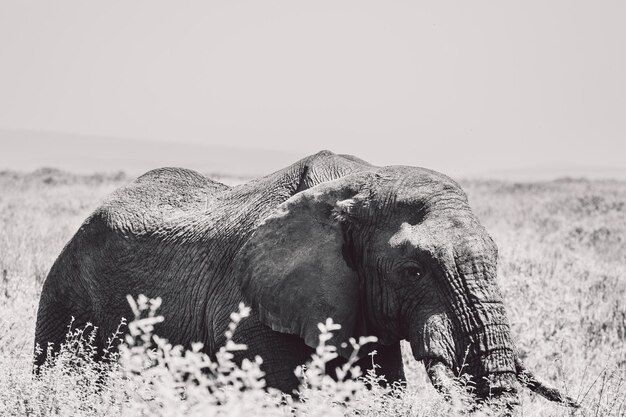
(562, 270)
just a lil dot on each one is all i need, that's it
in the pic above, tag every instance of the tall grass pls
(562, 270)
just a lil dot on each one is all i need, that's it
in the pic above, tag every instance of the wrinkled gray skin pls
(393, 252)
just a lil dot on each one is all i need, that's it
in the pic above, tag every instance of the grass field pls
(562, 270)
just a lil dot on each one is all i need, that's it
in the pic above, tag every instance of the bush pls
(146, 375)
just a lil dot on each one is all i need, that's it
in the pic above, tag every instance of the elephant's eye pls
(413, 272)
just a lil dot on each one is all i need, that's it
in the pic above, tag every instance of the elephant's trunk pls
(479, 340)
(487, 352)
(482, 336)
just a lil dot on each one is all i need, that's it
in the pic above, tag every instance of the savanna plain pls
(562, 270)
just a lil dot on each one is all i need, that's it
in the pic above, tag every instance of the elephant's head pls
(393, 252)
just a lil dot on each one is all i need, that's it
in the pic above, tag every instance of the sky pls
(458, 86)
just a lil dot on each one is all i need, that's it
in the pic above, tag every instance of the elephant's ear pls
(292, 269)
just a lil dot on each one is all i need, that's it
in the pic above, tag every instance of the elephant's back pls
(157, 199)
(132, 244)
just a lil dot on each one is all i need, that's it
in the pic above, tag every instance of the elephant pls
(394, 252)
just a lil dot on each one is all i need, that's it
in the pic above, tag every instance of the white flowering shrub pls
(147, 376)
(169, 380)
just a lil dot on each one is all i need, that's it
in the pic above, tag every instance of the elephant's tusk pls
(528, 379)
(441, 377)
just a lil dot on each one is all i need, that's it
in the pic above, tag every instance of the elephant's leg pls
(52, 322)
(388, 360)
(54, 318)
(281, 353)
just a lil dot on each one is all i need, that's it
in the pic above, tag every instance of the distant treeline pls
(55, 176)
